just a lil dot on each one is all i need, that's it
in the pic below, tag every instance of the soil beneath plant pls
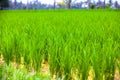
(46, 71)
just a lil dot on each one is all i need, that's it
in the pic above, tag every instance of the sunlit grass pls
(67, 41)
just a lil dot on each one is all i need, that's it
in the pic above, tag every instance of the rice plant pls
(68, 40)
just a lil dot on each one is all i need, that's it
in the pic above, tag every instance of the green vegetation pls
(71, 41)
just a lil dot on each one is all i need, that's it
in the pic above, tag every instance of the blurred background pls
(59, 4)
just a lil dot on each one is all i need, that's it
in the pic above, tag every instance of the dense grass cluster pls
(71, 42)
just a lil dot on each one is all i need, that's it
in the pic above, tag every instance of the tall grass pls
(67, 40)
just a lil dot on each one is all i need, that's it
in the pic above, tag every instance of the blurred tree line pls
(4, 4)
(35, 4)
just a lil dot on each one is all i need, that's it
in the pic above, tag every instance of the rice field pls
(72, 44)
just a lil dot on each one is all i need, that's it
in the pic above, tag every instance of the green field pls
(76, 44)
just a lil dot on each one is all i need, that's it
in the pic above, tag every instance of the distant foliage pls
(4, 4)
(92, 6)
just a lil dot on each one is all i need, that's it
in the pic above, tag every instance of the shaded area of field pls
(75, 42)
